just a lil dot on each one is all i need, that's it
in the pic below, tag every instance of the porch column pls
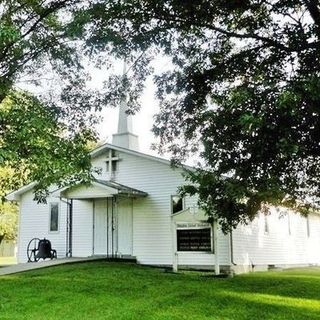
(69, 226)
(174, 246)
(216, 252)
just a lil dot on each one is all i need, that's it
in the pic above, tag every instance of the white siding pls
(84, 192)
(82, 233)
(152, 237)
(252, 245)
(151, 215)
(34, 223)
(152, 234)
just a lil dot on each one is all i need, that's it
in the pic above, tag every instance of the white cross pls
(110, 160)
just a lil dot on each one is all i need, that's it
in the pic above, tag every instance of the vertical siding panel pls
(253, 246)
(152, 237)
(34, 223)
(82, 234)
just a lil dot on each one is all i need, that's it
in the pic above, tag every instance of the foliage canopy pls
(244, 85)
(243, 90)
(43, 136)
(8, 211)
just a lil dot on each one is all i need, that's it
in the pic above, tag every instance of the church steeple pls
(124, 136)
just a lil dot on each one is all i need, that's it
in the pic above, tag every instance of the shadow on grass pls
(280, 284)
(115, 291)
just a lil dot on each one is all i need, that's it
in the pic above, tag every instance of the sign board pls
(186, 225)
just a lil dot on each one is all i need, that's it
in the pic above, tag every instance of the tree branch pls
(313, 8)
(47, 11)
(165, 17)
(232, 34)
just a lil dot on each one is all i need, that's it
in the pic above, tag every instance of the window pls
(289, 224)
(308, 226)
(177, 204)
(54, 217)
(266, 224)
(113, 166)
(194, 239)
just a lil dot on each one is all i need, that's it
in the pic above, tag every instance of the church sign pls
(194, 236)
(181, 225)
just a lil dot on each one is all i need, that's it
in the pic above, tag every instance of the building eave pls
(112, 189)
(99, 150)
(15, 195)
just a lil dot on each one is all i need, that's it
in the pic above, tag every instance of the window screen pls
(54, 217)
(194, 239)
(177, 204)
(266, 224)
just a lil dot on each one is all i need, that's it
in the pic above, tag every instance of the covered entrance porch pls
(99, 219)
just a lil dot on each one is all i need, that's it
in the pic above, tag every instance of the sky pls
(142, 121)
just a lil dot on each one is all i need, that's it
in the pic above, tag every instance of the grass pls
(101, 290)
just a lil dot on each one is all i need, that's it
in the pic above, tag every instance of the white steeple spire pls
(124, 137)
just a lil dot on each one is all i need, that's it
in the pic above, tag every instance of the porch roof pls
(98, 189)
(121, 188)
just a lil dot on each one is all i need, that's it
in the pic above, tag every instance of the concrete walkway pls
(22, 267)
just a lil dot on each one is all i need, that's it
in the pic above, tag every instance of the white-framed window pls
(113, 167)
(308, 226)
(289, 224)
(195, 239)
(54, 217)
(177, 204)
(266, 223)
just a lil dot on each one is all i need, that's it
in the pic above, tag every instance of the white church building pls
(133, 210)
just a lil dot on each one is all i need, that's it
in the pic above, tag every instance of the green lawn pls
(100, 290)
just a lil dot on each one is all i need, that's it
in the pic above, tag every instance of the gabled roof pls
(121, 188)
(100, 150)
(97, 189)
(15, 195)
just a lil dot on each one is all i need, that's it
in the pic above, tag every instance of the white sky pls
(142, 121)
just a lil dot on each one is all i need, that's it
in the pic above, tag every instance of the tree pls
(41, 39)
(31, 32)
(8, 211)
(35, 146)
(245, 85)
(47, 134)
(41, 139)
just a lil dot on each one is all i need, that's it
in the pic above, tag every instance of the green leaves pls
(244, 89)
(44, 136)
(244, 85)
(8, 211)
(8, 34)
(34, 139)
